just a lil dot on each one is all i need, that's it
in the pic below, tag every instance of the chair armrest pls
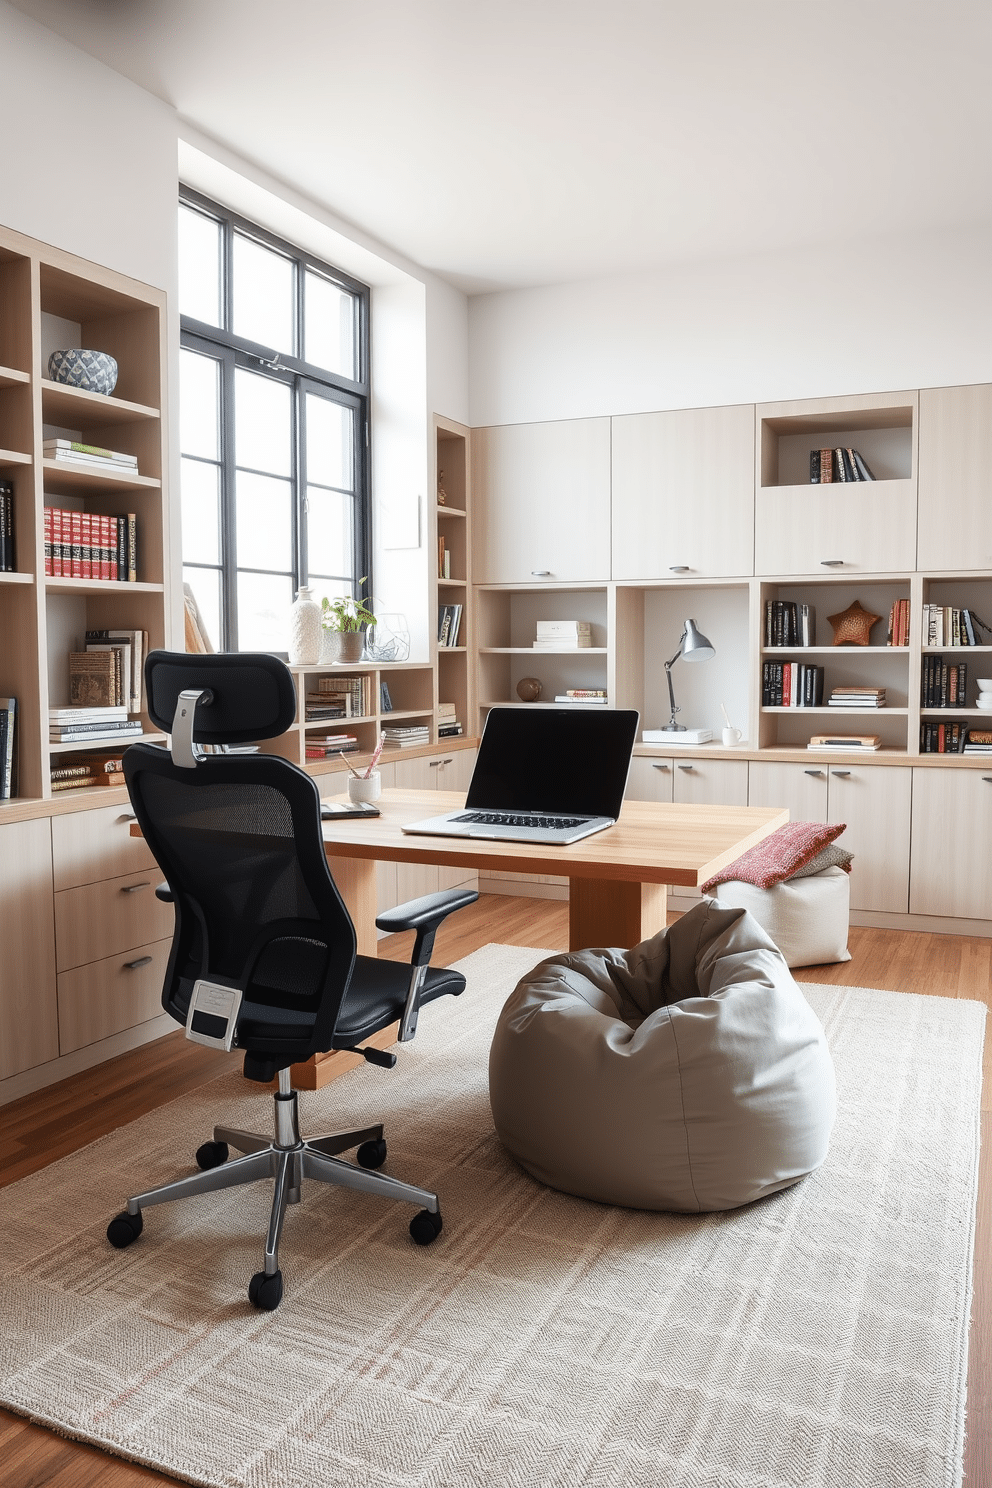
(426, 913)
(164, 893)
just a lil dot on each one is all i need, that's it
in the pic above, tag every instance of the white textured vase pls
(304, 630)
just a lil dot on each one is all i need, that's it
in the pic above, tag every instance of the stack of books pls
(943, 686)
(8, 713)
(791, 684)
(407, 738)
(837, 464)
(6, 527)
(130, 648)
(585, 696)
(326, 746)
(355, 692)
(320, 707)
(858, 742)
(977, 741)
(71, 451)
(857, 697)
(899, 624)
(80, 725)
(448, 726)
(788, 623)
(74, 771)
(563, 635)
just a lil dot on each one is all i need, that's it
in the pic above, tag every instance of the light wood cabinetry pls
(89, 846)
(683, 493)
(952, 828)
(955, 530)
(451, 570)
(96, 920)
(542, 502)
(802, 528)
(105, 997)
(506, 627)
(29, 1033)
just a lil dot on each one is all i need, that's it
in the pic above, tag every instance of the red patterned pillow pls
(778, 856)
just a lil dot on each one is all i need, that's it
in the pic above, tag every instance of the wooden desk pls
(617, 879)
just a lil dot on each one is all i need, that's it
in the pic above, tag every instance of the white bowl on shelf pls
(985, 684)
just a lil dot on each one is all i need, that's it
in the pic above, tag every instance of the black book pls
(840, 468)
(814, 467)
(864, 473)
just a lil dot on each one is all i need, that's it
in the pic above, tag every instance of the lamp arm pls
(671, 690)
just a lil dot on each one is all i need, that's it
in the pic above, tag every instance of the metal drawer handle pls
(687, 767)
(129, 816)
(665, 767)
(134, 965)
(831, 563)
(434, 764)
(678, 568)
(133, 888)
(840, 772)
(987, 779)
(541, 573)
(812, 772)
(449, 760)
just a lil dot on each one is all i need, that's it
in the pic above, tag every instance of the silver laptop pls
(544, 775)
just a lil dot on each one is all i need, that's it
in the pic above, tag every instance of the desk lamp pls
(694, 646)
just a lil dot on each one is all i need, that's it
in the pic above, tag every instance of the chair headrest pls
(253, 694)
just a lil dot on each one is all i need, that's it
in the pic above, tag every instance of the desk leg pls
(355, 878)
(614, 912)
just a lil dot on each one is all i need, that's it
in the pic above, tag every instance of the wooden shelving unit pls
(43, 617)
(452, 523)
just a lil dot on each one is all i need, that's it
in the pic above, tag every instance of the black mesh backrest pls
(239, 840)
(253, 694)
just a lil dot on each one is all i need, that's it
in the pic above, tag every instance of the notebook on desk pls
(548, 775)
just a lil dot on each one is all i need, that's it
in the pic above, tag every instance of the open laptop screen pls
(568, 760)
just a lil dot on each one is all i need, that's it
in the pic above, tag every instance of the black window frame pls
(231, 352)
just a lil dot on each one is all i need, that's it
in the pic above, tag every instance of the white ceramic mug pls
(364, 787)
(731, 736)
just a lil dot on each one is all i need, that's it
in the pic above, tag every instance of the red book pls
(76, 544)
(56, 541)
(105, 547)
(86, 544)
(787, 686)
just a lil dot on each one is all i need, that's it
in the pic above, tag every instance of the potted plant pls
(344, 621)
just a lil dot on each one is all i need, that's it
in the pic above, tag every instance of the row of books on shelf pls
(109, 671)
(90, 545)
(92, 725)
(943, 686)
(945, 626)
(563, 635)
(449, 619)
(443, 559)
(840, 463)
(791, 684)
(76, 772)
(74, 452)
(898, 624)
(340, 697)
(788, 623)
(326, 746)
(583, 696)
(8, 718)
(954, 738)
(7, 564)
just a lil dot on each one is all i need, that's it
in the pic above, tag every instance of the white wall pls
(879, 315)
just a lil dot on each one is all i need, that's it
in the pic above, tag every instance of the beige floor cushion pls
(688, 1073)
(807, 918)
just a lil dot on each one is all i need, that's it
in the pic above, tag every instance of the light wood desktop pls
(618, 879)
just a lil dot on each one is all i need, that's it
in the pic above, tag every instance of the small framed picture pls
(385, 701)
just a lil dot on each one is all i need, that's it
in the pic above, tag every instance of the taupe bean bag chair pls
(688, 1073)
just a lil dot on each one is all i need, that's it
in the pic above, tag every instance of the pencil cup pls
(365, 788)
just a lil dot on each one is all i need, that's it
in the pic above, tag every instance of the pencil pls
(350, 766)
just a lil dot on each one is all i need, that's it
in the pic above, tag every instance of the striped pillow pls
(778, 857)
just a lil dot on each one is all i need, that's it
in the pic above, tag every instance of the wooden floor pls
(41, 1128)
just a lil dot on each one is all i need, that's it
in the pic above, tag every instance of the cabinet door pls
(707, 782)
(29, 1032)
(89, 846)
(828, 529)
(541, 502)
(874, 801)
(649, 780)
(955, 459)
(952, 828)
(803, 788)
(683, 493)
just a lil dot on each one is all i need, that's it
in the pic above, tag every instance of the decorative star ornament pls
(852, 626)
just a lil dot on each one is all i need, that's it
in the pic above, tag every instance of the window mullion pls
(229, 525)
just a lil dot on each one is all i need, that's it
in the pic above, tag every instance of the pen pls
(375, 758)
(350, 766)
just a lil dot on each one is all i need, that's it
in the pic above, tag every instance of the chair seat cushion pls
(377, 995)
(688, 1073)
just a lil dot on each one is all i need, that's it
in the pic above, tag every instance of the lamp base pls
(676, 736)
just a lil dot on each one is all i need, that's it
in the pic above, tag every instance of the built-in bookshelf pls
(51, 301)
(451, 575)
(392, 695)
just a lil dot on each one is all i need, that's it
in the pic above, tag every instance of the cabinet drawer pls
(100, 919)
(28, 1028)
(91, 845)
(108, 996)
(819, 530)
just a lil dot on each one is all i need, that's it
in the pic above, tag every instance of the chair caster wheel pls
(371, 1154)
(265, 1291)
(124, 1229)
(212, 1155)
(425, 1226)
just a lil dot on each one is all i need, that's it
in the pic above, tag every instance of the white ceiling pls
(521, 142)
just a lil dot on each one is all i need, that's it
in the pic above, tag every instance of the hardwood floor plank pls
(44, 1127)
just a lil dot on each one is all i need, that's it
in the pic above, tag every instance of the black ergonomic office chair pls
(263, 955)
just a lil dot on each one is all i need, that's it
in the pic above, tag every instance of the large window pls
(273, 427)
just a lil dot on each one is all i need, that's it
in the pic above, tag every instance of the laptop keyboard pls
(513, 819)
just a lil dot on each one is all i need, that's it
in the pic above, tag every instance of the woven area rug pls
(812, 1340)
